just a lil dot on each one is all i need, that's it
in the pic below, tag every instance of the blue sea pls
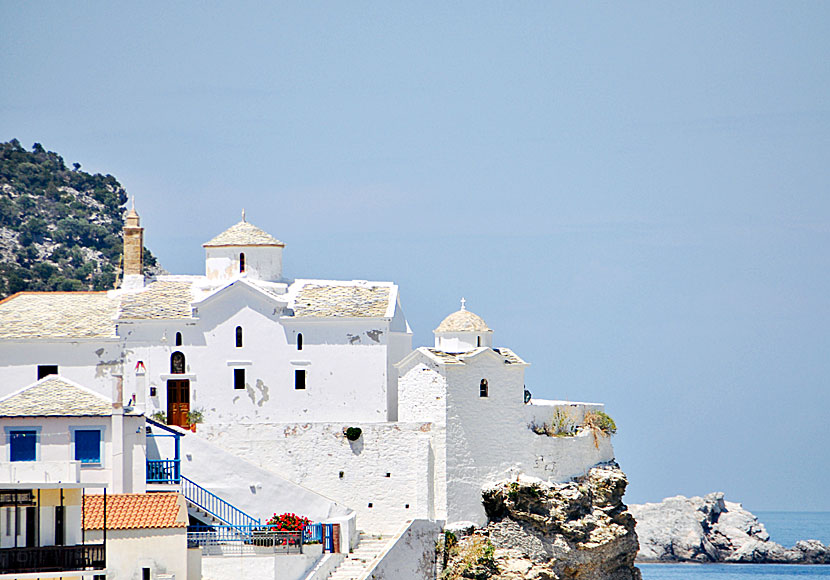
(786, 528)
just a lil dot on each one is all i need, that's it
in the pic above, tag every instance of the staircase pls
(363, 558)
(209, 507)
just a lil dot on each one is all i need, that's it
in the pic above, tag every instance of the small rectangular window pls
(46, 370)
(88, 445)
(299, 379)
(23, 445)
(238, 378)
(145, 574)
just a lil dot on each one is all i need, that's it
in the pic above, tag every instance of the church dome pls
(463, 321)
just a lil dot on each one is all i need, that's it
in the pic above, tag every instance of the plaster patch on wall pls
(235, 399)
(106, 366)
(374, 334)
(263, 388)
(99, 352)
(250, 391)
(353, 338)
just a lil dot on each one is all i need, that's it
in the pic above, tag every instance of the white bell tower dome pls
(244, 251)
(462, 331)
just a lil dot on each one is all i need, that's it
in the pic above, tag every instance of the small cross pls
(463, 304)
(243, 214)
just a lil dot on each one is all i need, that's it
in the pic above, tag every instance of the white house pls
(146, 535)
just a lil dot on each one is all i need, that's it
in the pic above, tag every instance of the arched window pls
(241, 262)
(483, 388)
(238, 337)
(300, 341)
(177, 363)
(178, 339)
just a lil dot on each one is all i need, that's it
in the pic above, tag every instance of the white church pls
(273, 373)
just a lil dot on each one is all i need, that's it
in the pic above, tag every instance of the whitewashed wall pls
(346, 362)
(91, 363)
(486, 439)
(256, 490)
(411, 556)
(314, 455)
(261, 262)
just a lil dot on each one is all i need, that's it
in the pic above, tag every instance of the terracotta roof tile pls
(131, 511)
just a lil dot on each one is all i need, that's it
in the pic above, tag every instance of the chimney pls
(133, 251)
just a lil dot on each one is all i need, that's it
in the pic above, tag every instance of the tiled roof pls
(58, 315)
(510, 357)
(164, 299)
(445, 357)
(131, 511)
(54, 396)
(463, 321)
(243, 234)
(451, 358)
(342, 299)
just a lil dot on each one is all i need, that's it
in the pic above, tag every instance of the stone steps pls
(362, 558)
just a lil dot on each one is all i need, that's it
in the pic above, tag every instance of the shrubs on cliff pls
(60, 228)
(562, 424)
(474, 558)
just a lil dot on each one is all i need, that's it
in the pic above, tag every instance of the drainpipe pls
(118, 436)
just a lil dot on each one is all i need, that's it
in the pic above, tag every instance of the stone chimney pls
(133, 251)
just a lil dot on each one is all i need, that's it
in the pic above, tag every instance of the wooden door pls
(178, 402)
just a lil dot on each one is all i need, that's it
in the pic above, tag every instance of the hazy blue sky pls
(633, 195)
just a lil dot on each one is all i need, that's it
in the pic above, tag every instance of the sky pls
(634, 196)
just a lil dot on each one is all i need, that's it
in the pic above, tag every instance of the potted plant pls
(195, 417)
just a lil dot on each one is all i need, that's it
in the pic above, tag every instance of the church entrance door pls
(178, 402)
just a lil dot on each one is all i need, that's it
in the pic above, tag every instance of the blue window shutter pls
(88, 445)
(23, 445)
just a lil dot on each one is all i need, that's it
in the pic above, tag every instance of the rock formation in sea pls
(709, 529)
(579, 530)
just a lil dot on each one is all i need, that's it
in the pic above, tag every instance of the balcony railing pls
(163, 471)
(52, 559)
(259, 539)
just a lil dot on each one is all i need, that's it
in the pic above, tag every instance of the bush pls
(287, 522)
(472, 558)
(562, 424)
(353, 433)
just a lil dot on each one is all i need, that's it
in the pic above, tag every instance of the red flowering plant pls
(287, 523)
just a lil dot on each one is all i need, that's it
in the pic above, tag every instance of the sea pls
(786, 528)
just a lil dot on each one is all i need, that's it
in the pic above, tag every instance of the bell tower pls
(133, 250)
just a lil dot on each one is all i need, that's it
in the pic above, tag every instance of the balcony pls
(163, 471)
(52, 559)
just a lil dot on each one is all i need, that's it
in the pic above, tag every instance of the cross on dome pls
(243, 214)
(463, 304)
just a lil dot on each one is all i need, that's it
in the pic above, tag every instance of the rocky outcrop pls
(709, 529)
(541, 531)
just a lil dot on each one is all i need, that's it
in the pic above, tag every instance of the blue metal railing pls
(163, 471)
(216, 506)
(259, 538)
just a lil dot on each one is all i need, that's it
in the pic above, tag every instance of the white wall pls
(345, 360)
(477, 441)
(163, 550)
(254, 489)
(261, 262)
(91, 363)
(314, 455)
(280, 567)
(411, 556)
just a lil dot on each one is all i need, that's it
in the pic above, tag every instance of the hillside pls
(60, 228)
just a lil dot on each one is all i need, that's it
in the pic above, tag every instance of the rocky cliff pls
(541, 531)
(709, 529)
